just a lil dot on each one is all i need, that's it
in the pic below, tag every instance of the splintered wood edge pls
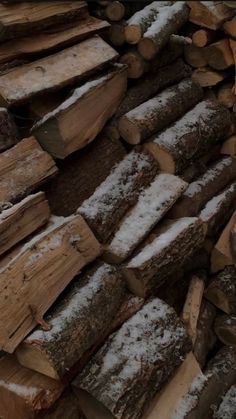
(165, 160)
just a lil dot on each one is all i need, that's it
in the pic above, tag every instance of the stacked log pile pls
(117, 209)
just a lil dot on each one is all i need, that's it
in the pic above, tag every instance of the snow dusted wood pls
(92, 300)
(219, 55)
(23, 169)
(168, 21)
(229, 146)
(78, 120)
(141, 20)
(218, 210)
(130, 360)
(205, 336)
(8, 130)
(225, 329)
(20, 220)
(222, 290)
(152, 205)
(38, 271)
(172, 244)
(221, 255)
(119, 191)
(209, 15)
(207, 77)
(25, 393)
(191, 136)
(159, 112)
(54, 72)
(227, 407)
(206, 389)
(206, 186)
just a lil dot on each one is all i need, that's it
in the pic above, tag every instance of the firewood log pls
(229, 146)
(226, 95)
(46, 74)
(38, 271)
(225, 329)
(232, 44)
(25, 393)
(227, 407)
(206, 389)
(222, 290)
(89, 107)
(207, 77)
(159, 112)
(209, 15)
(218, 210)
(230, 28)
(25, 19)
(205, 187)
(131, 357)
(203, 37)
(194, 56)
(170, 247)
(221, 255)
(233, 243)
(23, 169)
(117, 33)
(205, 337)
(169, 20)
(152, 205)
(67, 407)
(180, 40)
(78, 319)
(22, 219)
(219, 55)
(119, 191)
(137, 66)
(191, 136)
(8, 130)
(115, 11)
(193, 171)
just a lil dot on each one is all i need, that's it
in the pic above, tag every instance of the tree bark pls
(227, 408)
(67, 405)
(117, 33)
(169, 248)
(225, 329)
(125, 374)
(191, 136)
(137, 66)
(233, 243)
(8, 130)
(221, 255)
(222, 290)
(193, 171)
(159, 112)
(120, 190)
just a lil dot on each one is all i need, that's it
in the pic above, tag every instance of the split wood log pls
(191, 136)
(169, 20)
(222, 290)
(56, 71)
(78, 319)
(229, 146)
(67, 405)
(219, 55)
(207, 389)
(137, 66)
(159, 112)
(54, 39)
(165, 402)
(141, 20)
(207, 77)
(192, 306)
(218, 210)
(117, 33)
(221, 255)
(205, 336)
(227, 407)
(8, 130)
(153, 203)
(205, 187)
(25, 393)
(22, 19)
(230, 27)
(38, 272)
(169, 248)
(78, 120)
(209, 15)
(82, 173)
(22, 219)
(115, 11)
(119, 191)
(225, 329)
(145, 88)
(226, 95)
(194, 56)
(154, 333)
(203, 37)
(23, 169)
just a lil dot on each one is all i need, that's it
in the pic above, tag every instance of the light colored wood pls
(23, 169)
(221, 255)
(229, 146)
(137, 66)
(203, 37)
(219, 55)
(230, 27)
(55, 71)
(24, 393)
(38, 272)
(115, 11)
(226, 95)
(207, 77)
(209, 14)
(79, 119)
(194, 56)
(166, 402)
(48, 41)
(192, 305)
(22, 219)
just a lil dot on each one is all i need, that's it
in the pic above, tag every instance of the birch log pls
(222, 290)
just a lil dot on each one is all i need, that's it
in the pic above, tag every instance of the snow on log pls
(222, 290)
(227, 407)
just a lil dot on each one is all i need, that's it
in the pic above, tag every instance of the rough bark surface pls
(8, 130)
(225, 329)
(222, 290)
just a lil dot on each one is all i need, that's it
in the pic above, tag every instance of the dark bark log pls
(225, 329)
(67, 407)
(169, 248)
(222, 290)
(120, 190)
(159, 112)
(125, 374)
(82, 317)
(8, 130)
(233, 243)
(227, 408)
(191, 136)
(193, 171)
(221, 255)
(117, 33)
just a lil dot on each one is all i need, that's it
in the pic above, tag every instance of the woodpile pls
(117, 209)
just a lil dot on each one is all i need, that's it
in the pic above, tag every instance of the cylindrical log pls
(219, 55)
(207, 77)
(159, 112)
(180, 40)
(225, 329)
(226, 95)
(194, 56)
(193, 171)
(137, 66)
(221, 255)
(222, 290)
(124, 375)
(117, 33)
(227, 408)
(203, 37)
(191, 136)
(115, 11)
(169, 21)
